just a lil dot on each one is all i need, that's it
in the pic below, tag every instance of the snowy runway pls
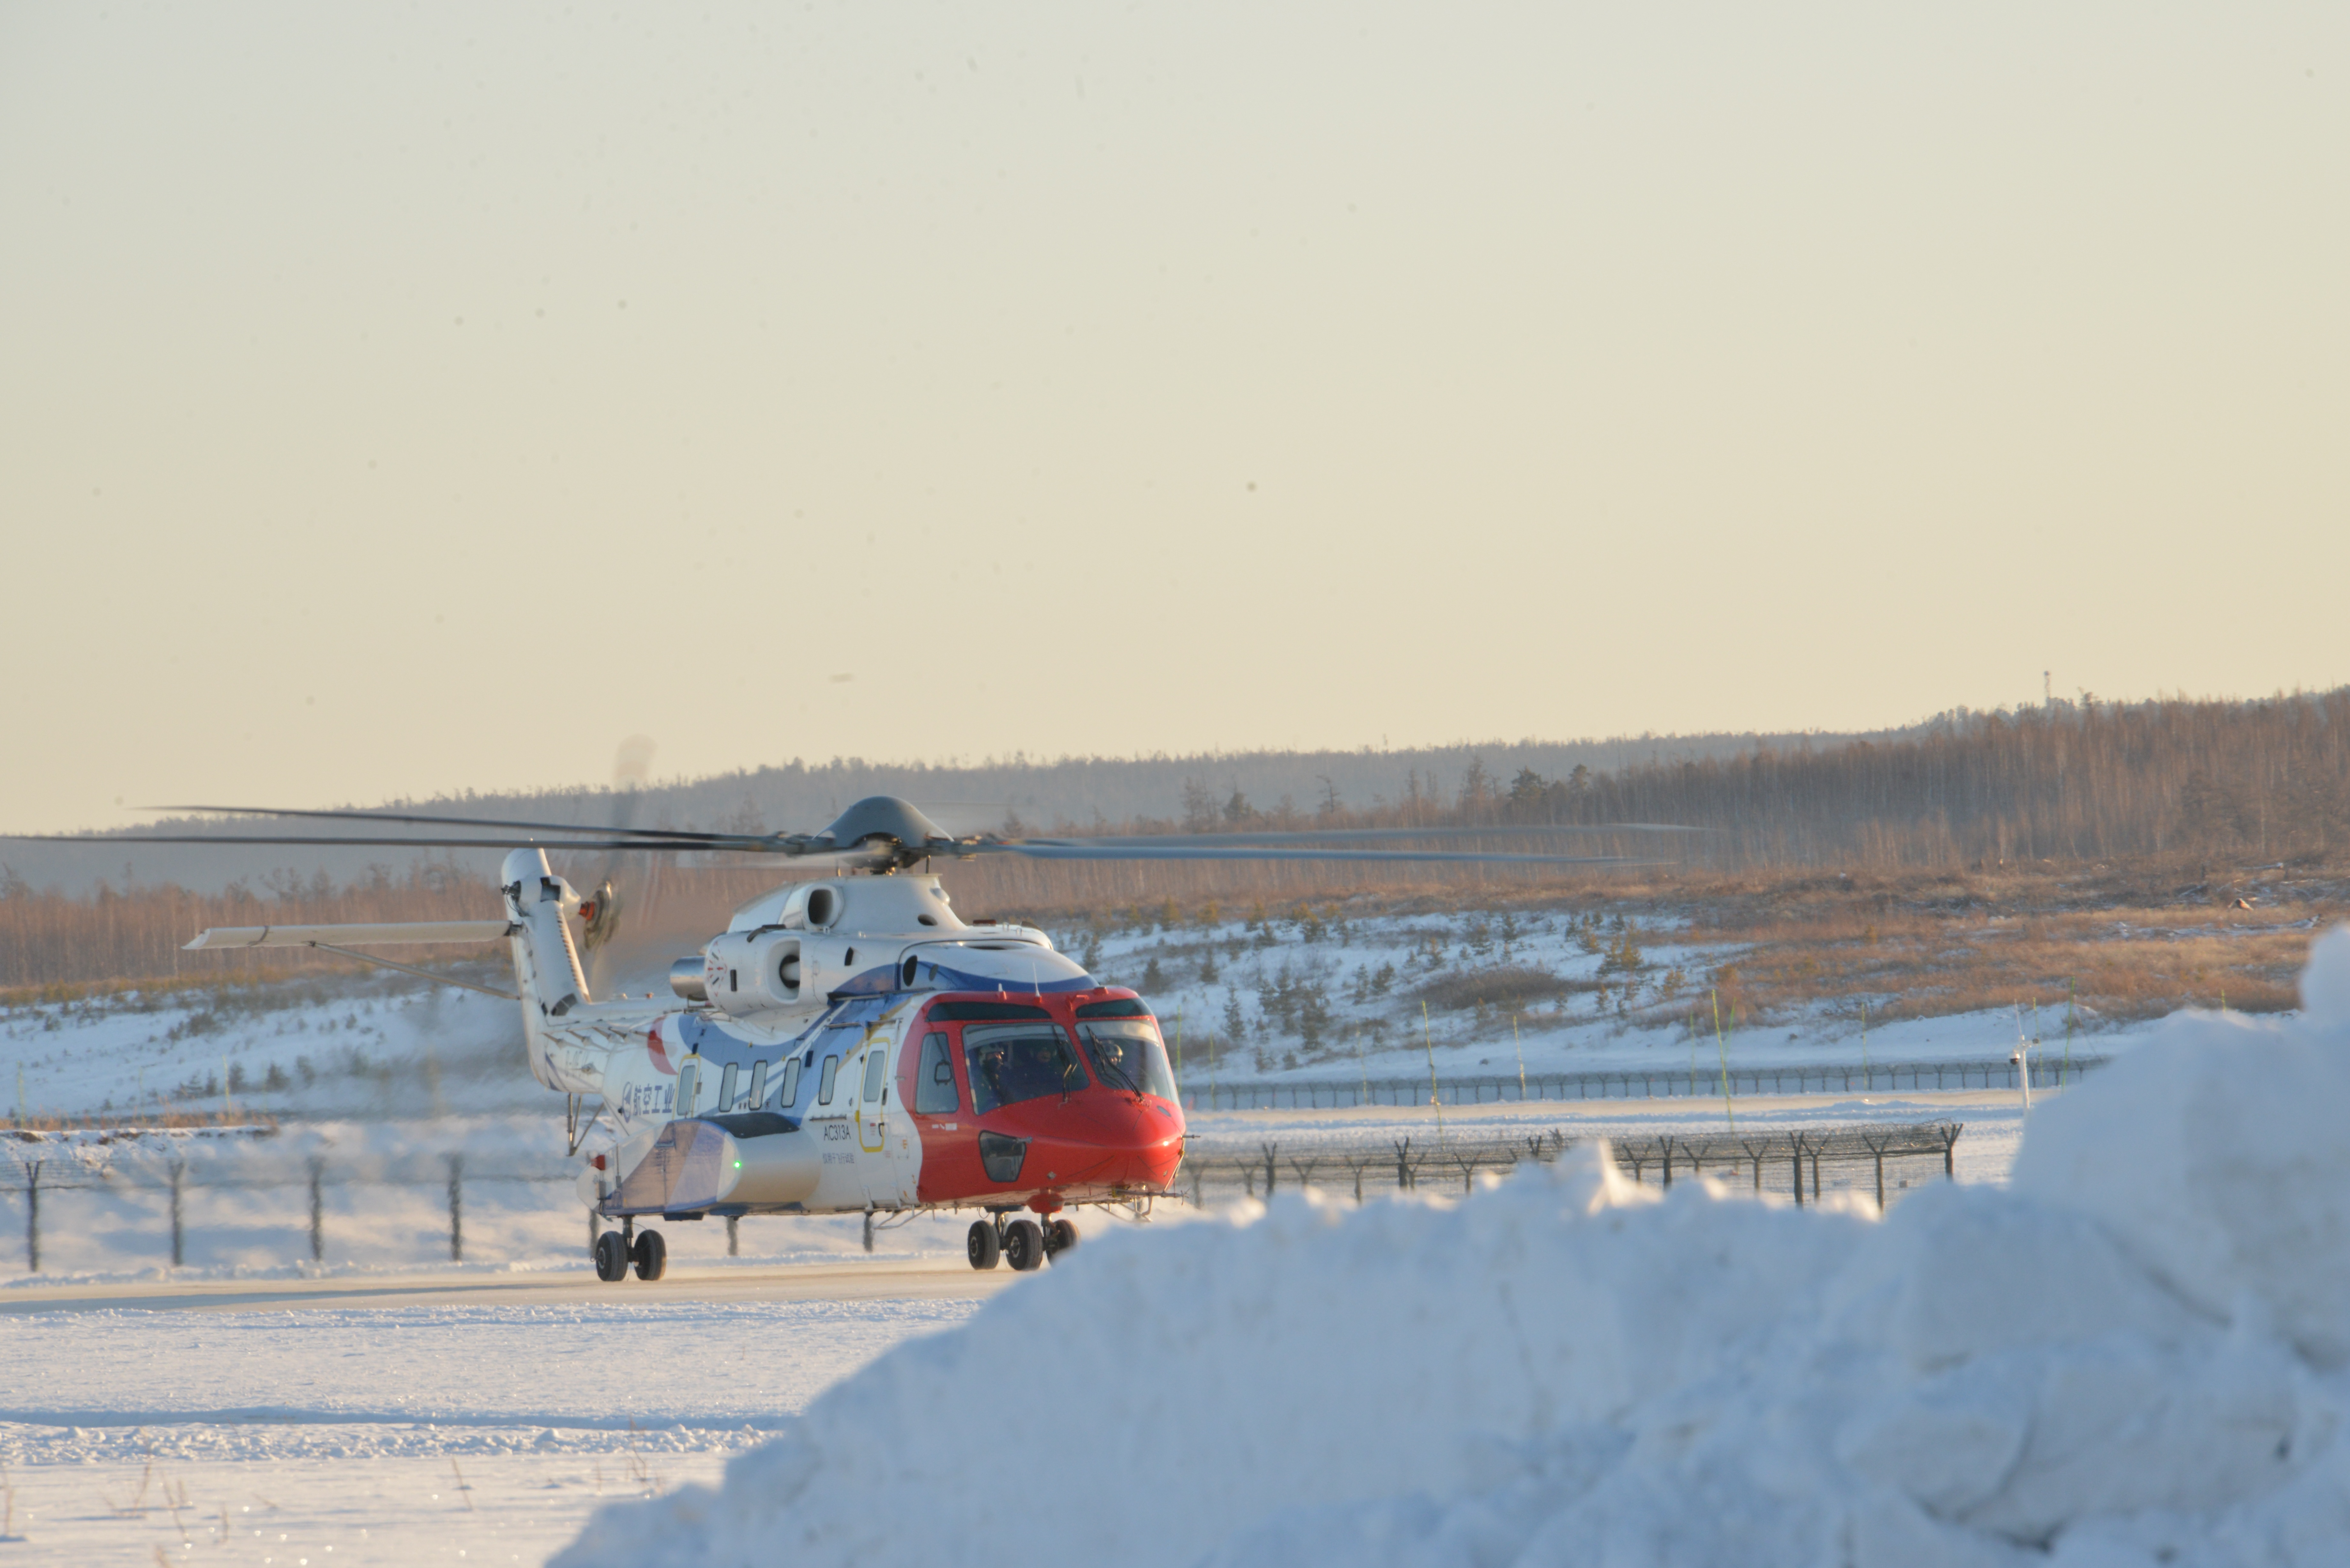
(867, 1279)
(349, 1431)
(328, 1513)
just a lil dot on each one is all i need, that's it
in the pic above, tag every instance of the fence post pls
(317, 1213)
(1268, 1148)
(179, 1250)
(1668, 1145)
(456, 1208)
(1796, 1143)
(33, 1218)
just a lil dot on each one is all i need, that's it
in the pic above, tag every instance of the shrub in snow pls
(2134, 1356)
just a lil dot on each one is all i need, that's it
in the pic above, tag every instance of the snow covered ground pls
(378, 1046)
(2136, 1353)
(1362, 983)
(589, 1377)
(333, 1046)
(425, 1434)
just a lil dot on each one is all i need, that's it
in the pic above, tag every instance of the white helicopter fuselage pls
(778, 1081)
(847, 1044)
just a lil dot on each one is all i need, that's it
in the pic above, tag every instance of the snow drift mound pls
(2135, 1355)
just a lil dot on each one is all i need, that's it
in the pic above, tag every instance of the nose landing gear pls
(1023, 1244)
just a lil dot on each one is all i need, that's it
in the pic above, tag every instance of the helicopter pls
(847, 1044)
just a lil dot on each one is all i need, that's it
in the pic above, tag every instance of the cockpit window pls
(1010, 1063)
(1127, 1054)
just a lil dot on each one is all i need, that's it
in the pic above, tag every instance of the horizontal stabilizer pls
(355, 935)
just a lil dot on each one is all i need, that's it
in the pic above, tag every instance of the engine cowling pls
(745, 973)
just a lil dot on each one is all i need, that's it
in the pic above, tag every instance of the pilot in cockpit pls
(988, 1066)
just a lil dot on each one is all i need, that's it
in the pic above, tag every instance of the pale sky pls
(404, 398)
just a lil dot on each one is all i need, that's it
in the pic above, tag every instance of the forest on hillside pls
(2070, 782)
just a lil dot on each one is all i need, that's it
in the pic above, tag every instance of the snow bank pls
(2135, 1354)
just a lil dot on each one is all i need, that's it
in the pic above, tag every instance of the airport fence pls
(1635, 1084)
(1862, 1156)
(162, 1177)
(159, 1175)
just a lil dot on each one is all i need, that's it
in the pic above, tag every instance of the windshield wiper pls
(1113, 1070)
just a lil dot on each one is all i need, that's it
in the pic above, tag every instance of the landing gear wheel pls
(1059, 1237)
(984, 1245)
(611, 1258)
(1024, 1245)
(651, 1254)
(868, 1230)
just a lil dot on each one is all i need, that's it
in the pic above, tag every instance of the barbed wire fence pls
(33, 1164)
(1804, 1162)
(1706, 1082)
(1857, 1157)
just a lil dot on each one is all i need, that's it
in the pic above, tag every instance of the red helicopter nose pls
(1103, 1138)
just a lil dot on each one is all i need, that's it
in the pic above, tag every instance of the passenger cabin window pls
(934, 1084)
(791, 1095)
(1010, 1063)
(876, 1060)
(823, 1088)
(758, 1085)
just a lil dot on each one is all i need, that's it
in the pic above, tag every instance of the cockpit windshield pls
(1127, 1054)
(1010, 1063)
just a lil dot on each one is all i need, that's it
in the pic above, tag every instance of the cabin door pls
(881, 1126)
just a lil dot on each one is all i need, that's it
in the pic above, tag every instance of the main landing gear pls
(1023, 1244)
(616, 1254)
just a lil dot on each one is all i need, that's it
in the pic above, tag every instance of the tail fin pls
(546, 960)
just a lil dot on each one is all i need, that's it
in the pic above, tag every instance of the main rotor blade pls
(728, 846)
(1036, 850)
(451, 821)
(1371, 834)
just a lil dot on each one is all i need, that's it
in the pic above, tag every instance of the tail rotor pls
(599, 911)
